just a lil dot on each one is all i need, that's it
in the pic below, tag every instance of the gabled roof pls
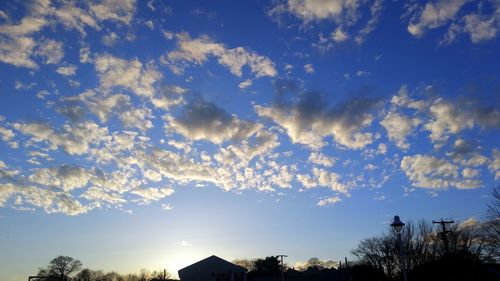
(213, 261)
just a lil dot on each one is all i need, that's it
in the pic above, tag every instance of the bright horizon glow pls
(153, 134)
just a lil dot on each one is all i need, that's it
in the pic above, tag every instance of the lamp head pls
(397, 224)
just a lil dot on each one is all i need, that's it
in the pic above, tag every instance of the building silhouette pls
(213, 268)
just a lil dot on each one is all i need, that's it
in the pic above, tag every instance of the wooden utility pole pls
(444, 232)
(282, 266)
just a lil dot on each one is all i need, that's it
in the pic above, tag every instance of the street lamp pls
(398, 225)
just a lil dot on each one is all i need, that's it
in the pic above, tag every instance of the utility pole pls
(444, 232)
(282, 266)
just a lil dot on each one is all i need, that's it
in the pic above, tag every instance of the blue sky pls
(150, 134)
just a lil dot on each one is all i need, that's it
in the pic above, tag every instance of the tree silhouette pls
(62, 266)
(314, 263)
(492, 226)
(87, 274)
(269, 264)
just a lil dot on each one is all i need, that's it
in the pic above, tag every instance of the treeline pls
(64, 268)
(466, 251)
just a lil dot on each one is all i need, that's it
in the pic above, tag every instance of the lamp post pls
(398, 225)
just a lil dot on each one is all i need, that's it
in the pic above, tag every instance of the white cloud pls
(169, 35)
(150, 24)
(434, 15)
(245, 84)
(98, 194)
(16, 41)
(308, 68)
(74, 139)
(85, 55)
(495, 165)
(168, 96)
(321, 159)
(69, 70)
(316, 10)
(382, 148)
(167, 207)
(403, 100)
(103, 106)
(323, 178)
(309, 121)
(6, 134)
(115, 10)
(346, 14)
(152, 175)
(202, 120)
(48, 200)
(361, 73)
(110, 39)
(375, 13)
(131, 74)
(178, 167)
(448, 118)
(16, 45)
(283, 177)
(480, 25)
(51, 50)
(198, 50)
(17, 51)
(435, 173)
(65, 177)
(152, 194)
(328, 201)
(470, 173)
(370, 167)
(137, 118)
(24, 86)
(3, 15)
(399, 127)
(339, 35)
(482, 28)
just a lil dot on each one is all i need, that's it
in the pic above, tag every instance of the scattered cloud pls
(435, 173)
(245, 84)
(152, 194)
(433, 15)
(339, 36)
(399, 127)
(51, 50)
(110, 39)
(321, 159)
(69, 70)
(348, 17)
(130, 74)
(362, 73)
(495, 165)
(481, 22)
(308, 68)
(328, 201)
(200, 49)
(167, 207)
(201, 120)
(309, 120)
(451, 118)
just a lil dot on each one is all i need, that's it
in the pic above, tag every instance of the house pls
(213, 268)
